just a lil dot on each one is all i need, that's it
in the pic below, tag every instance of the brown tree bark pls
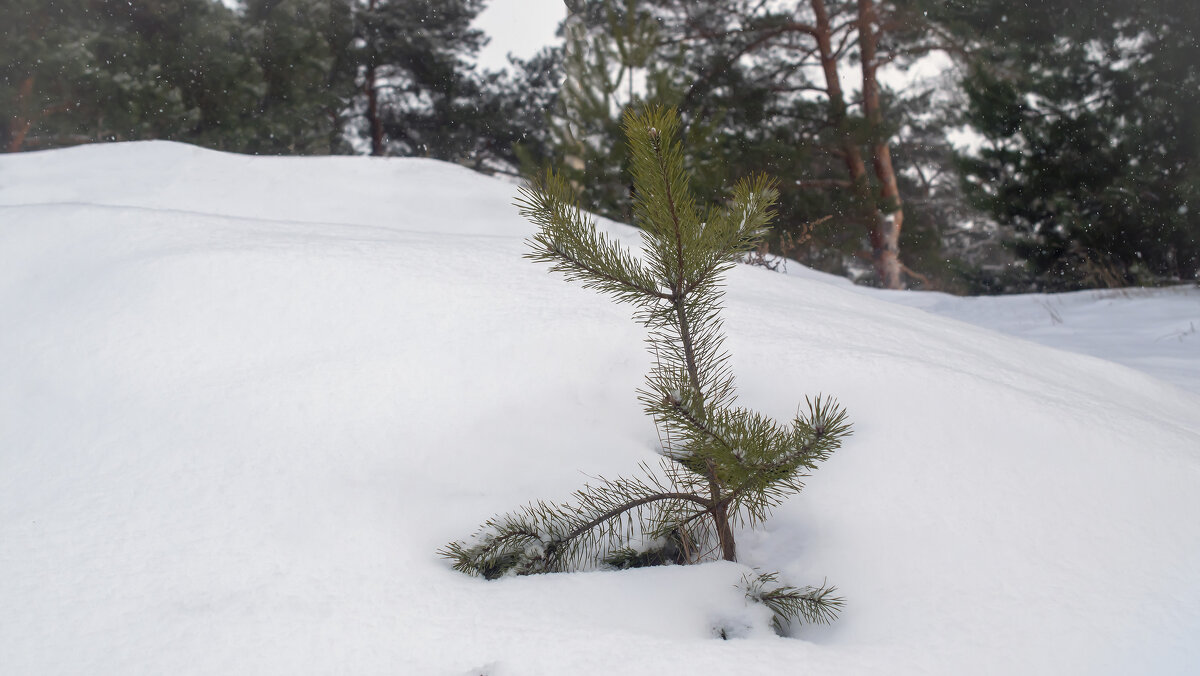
(720, 516)
(885, 236)
(881, 214)
(847, 145)
(850, 152)
(883, 225)
(21, 124)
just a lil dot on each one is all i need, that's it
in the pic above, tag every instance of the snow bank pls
(244, 400)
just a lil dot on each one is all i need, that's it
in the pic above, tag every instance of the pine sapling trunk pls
(724, 530)
(719, 509)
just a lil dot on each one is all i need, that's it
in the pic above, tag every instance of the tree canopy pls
(1080, 172)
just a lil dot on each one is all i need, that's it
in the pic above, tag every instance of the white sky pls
(521, 27)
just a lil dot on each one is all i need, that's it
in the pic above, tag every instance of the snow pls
(1153, 330)
(245, 400)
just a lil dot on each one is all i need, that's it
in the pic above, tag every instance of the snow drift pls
(244, 400)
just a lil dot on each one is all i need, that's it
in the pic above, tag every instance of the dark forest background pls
(969, 146)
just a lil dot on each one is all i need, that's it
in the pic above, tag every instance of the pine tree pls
(609, 64)
(1087, 113)
(766, 85)
(419, 93)
(722, 465)
(78, 72)
(269, 78)
(304, 53)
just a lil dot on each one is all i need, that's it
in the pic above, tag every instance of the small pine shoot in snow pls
(722, 466)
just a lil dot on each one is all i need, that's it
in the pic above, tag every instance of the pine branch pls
(736, 230)
(776, 471)
(698, 432)
(631, 505)
(602, 279)
(663, 204)
(569, 239)
(544, 537)
(815, 605)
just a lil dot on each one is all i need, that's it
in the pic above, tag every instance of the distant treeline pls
(1077, 121)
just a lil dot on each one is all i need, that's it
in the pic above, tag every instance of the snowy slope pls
(244, 400)
(1153, 330)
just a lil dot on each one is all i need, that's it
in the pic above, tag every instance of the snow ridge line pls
(256, 219)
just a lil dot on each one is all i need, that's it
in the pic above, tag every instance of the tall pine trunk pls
(848, 149)
(885, 236)
(883, 229)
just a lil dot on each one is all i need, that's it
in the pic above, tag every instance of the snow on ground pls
(1156, 331)
(244, 400)
(1153, 330)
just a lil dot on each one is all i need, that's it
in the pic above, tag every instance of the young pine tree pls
(722, 465)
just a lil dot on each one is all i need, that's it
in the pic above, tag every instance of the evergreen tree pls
(509, 116)
(40, 62)
(760, 85)
(92, 70)
(955, 246)
(303, 51)
(1088, 111)
(269, 80)
(610, 63)
(195, 48)
(419, 96)
(722, 465)
(528, 89)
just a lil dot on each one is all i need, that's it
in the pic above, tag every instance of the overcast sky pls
(521, 27)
